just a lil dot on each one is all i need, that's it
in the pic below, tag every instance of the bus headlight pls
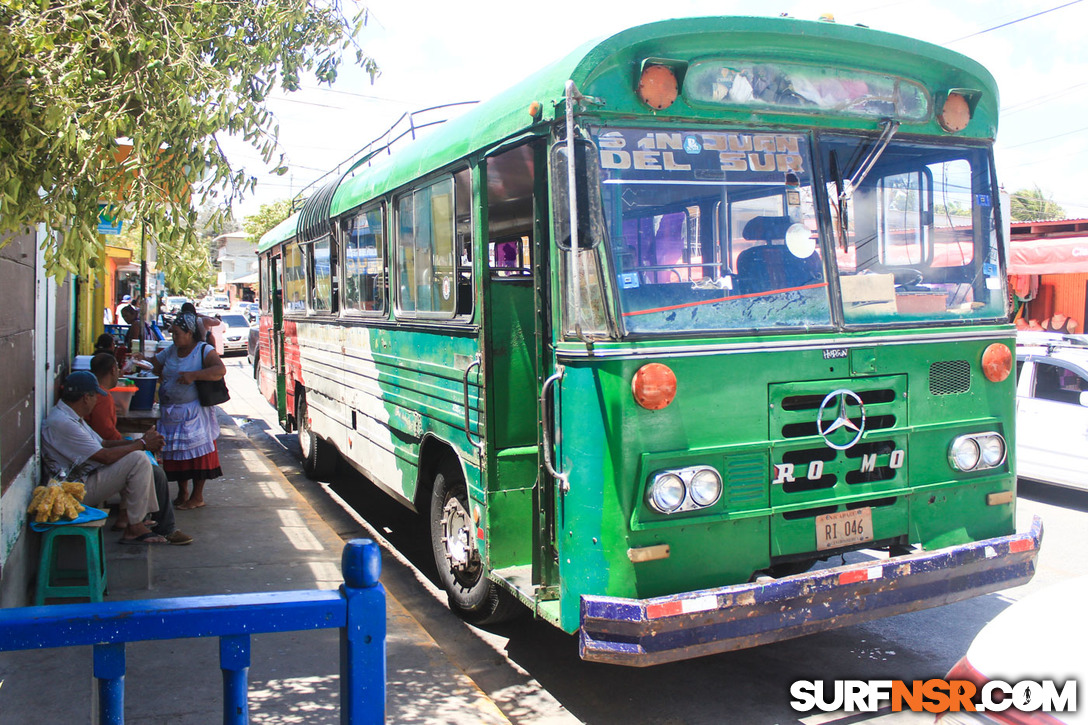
(705, 487)
(684, 489)
(977, 451)
(667, 493)
(993, 450)
(965, 453)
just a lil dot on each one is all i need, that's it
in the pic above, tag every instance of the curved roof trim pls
(287, 229)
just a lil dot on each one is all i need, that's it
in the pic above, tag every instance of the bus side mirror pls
(588, 189)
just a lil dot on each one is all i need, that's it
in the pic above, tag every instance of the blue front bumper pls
(642, 632)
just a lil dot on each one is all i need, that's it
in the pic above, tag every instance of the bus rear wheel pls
(318, 455)
(472, 596)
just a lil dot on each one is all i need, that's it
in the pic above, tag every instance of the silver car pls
(234, 331)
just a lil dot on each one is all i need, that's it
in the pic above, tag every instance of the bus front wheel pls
(318, 455)
(472, 596)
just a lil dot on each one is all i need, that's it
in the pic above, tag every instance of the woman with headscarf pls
(203, 322)
(190, 429)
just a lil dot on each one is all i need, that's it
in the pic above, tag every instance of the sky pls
(433, 53)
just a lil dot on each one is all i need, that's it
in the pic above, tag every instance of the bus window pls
(712, 231)
(431, 251)
(510, 179)
(265, 291)
(462, 198)
(321, 276)
(510, 258)
(294, 283)
(916, 239)
(364, 261)
(904, 209)
(951, 217)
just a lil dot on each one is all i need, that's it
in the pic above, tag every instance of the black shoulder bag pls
(211, 392)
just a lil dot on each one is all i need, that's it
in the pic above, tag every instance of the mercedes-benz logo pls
(840, 399)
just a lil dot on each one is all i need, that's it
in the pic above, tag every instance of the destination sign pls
(702, 153)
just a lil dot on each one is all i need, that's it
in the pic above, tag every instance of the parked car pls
(172, 305)
(1041, 636)
(1052, 409)
(234, 332)
(220, 302)
(251, 310)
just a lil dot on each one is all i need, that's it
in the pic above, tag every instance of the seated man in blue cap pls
(71, 447)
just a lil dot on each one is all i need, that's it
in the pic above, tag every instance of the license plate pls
(844, 528)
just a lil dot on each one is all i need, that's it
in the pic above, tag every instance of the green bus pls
(696, 339)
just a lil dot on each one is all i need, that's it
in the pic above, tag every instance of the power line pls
(367, 96)
(1024, 105)
(1048, 138)
(1013, 22)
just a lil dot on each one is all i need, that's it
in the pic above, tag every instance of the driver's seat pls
(772, 266)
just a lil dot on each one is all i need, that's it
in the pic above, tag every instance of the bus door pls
(276, 338)
(520, 538)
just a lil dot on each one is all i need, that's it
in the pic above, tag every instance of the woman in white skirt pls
(190, 429)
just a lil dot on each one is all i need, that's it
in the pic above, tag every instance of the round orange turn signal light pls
(955, 114)
(654, 386)
(657, 86)
(997, 362)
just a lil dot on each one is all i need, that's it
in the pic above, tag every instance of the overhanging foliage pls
(167, 77)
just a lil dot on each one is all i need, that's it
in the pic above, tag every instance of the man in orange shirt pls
(103, 421)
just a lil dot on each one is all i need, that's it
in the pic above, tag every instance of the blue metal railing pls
(357, 609)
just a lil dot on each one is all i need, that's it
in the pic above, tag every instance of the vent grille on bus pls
(949, 377)
(744, 480)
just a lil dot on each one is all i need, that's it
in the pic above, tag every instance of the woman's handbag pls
(211, 392)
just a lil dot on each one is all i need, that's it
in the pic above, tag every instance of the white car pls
(1052, 410)
(233, 330)
(221, 302)
(1042, 636)
(172, 305)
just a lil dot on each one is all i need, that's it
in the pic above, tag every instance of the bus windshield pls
(719, 231)
(916, 240)
(712, 230)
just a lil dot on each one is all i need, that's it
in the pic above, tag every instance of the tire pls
(257, 368)
(472, 596)
(318, 455)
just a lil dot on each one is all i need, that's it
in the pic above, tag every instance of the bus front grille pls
(949, 377)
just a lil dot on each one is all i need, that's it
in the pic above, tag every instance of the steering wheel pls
(908, 277)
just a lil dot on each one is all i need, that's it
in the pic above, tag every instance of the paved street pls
(532, 670)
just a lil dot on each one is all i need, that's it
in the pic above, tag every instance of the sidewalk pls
(256, 534)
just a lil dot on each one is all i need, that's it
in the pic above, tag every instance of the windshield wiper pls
(846, 191)
(840, 204)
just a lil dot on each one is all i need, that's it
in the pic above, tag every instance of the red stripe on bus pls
(1020, 545)
(667, 609)
(725, 299)
(852, 577)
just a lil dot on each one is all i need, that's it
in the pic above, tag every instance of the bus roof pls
(608, 69)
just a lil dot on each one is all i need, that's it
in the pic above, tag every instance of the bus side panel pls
(266, 371)
(510, 508)
(293, 378)
(376, 394)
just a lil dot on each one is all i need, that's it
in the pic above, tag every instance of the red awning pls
(1049, 256)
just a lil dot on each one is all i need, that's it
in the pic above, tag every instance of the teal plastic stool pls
(49, 570)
